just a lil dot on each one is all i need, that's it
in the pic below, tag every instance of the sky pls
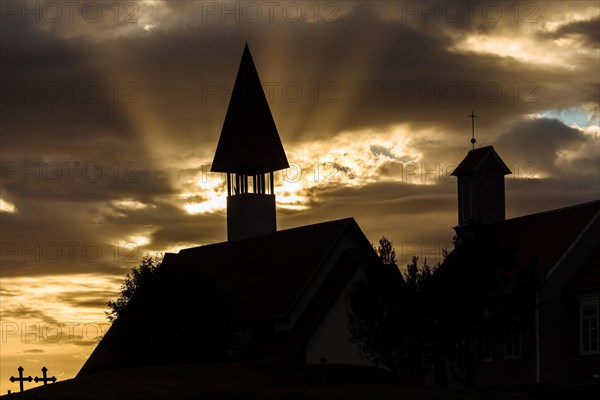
(111, 112)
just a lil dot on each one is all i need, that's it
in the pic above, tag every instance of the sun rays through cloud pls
(110, 125)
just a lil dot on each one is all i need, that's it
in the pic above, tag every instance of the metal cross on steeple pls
(473, 116)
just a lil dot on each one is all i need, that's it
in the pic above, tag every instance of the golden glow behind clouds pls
(350, 159)
(523, 49)
(377, 166)
(63, 335)
(7, 207)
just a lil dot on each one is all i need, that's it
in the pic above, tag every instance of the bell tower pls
(249, 152)
(480, 177)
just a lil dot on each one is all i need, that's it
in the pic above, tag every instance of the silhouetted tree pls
(141, 277)
(373, 313)
(438, 317)
(386, 252)
(477, 291)
(418, 327)
(386, 318)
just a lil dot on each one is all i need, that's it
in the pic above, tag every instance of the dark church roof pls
(288, 344)
(588, 276)
(475, 159)
(249, 141)
(263, 280)
(541, 239)
(263, 276)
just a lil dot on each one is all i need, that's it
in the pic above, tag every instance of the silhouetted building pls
(286, 290)
(480, 179)
(560, 341)
(249, 152)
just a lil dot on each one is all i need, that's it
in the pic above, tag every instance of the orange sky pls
(111, 114)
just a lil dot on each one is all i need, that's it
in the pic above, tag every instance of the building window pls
(466, 199)
(459, 349)
(486, 343)
(513, 345)
(588, 317)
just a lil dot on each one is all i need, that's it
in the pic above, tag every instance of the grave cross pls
(20, 379)
(45, 379)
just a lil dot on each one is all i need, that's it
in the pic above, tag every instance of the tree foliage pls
(385, 314)
(436, 318)
(478, 290)
(386, 252)
(140, 278)
(372, 313)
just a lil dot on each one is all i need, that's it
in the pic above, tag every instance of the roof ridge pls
(555, 210)
(316, 223)
(571, 248)
(266, 234)
(489, 146)
(475, 158)
(325, 257)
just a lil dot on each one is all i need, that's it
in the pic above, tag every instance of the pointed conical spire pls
(249, 141)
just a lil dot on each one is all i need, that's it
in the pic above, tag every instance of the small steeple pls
(480, 177)
(249, 152)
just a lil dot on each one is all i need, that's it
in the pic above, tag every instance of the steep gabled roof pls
(262, 279)
(249, 140)
(588, 276)
(541, 239)
(287, 344)
(475, 159)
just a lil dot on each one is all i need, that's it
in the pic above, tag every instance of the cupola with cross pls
(249, 152)
(480, 177)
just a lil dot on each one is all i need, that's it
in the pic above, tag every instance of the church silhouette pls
(559, 340)
(286, 291)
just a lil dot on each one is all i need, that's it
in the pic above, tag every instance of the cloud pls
(371, 102)
(90, 298)
(587, 31)
(24, 312)
(6, 206)
(4, 292)
(551, 147)
(380, 111)
(33, 326)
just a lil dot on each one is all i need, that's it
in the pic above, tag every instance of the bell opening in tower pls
(256, 184)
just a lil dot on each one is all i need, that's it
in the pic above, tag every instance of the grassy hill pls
(264, 381)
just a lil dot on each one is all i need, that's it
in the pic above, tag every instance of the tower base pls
(249, 215)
